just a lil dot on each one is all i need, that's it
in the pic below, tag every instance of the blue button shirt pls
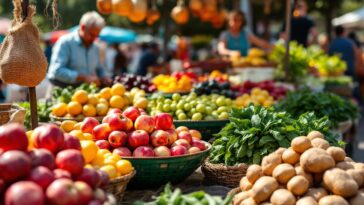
(71, 58)
(345, 48)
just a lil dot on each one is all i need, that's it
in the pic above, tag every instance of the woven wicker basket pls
(11, 113)
(234, 192)
(117, 187)
(221, 174)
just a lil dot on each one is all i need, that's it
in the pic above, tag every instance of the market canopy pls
(352, 19)
(117, 35)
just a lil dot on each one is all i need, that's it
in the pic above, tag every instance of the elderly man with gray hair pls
(75, 58)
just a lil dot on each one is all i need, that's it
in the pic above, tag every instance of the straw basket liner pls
(117, 186)
(221, 174)
(11, 113)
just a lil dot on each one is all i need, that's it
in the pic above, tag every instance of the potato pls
(245, 185)
(358, 199)
(361, 190)
(253, 173)
(345, 165)
(300, 144)
(333, 200)
(301, 172)
(280, 150)
(238, 198)
(348, 159)
(340, 183)
(360, 167)
(337, 153)
(270, 162)
(266, 203)
(248, 201)
(263, 188)
(307, 200)
(298, 185)
(357, 176)
(282, 197)
(317, 178)
(290, 156)
(315, 134)
(316, 193)
(316, 160)
(320, 143)
(283, 173)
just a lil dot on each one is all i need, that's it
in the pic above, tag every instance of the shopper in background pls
(75, 58)
(147, 58)
(303, 29)
(237, 40)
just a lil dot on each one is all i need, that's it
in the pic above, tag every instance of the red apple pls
(13, 137)
(117, 138)
(114, 111)
(163, 121)
(105, 119)
(181, 128)
(14, 165)
(85, 193)
(179, 150)
(193, 150)
(131, 113)
(2, 186)
(129, 124)
(122, 152)
(172, 136)
(88, 124)
(100, 195)
(185, 135)
(90, 176)
(116, 122)
(104, 178)
(62, 174)
(162, 151)
(144, 122)
(49, 137)
(102, 131)
(138, 138)
(103, 144)
(181, 142)
(62, 191)
(41, 176)
(159, 138)
(199, 144)
(95, 202)
(71, 142)
(195, 134)
(70, 160)
(42, 157)
(143, 151)
(24, 192)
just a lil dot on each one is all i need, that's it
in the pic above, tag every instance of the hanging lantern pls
(218, 20)
(209, 11)
(180, 13)
(139, 12)
(122, 7)
(196, 5)
(104, 6)
(153, 14)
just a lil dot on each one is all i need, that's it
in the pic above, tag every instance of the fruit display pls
(275, 90)
(257, 97)
(192, 107)
(65, 94)
(255, 58)
(46, 166)
(213, 86)
(214, 75)
(173, 84)
(255, 131)
(132, 133)
(83, 104)
(310, 171)
(135, 81)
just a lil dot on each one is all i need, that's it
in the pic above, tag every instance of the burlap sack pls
(22, 61)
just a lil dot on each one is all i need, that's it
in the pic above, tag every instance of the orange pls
(101, 109)
(88, 166)
(98, 160)
(117, 102)
(92, 99)
(89, 150)
(30, 140)
(107, 155)
(77, 133)
(68, 125)
(110, 170)
(74, 108)
(109, 161)
(104, 101)
(103, 151)
(59, 110)
(80, 96)
(77, 126)
(115, 157)
(89, 110)
(105, 93)
(124, 167)
(88, 136)
(141, 103)
(117, 89)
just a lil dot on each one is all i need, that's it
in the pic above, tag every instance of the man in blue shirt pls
(75, 58)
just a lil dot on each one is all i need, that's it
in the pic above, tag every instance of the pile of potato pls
(309, 172)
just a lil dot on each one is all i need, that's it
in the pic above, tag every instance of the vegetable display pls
(255, 131)
(43, 109)
(169, 197)
(336, 108)
(305, 173)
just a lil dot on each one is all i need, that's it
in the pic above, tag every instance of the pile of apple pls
(48, 170)
(132, 133)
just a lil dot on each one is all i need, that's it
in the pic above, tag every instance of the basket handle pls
(17, 117)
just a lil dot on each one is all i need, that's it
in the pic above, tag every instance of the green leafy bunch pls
(43, 108)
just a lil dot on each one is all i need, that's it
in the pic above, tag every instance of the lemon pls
(68, 125)
(74, 108)
(89, 110)
(124, 167)
(117, 102)
(103, 101)
(80, 96)
(105, 93)
(77, 133)
(89, 150)
(101, 109)
(59, 110)
(92, 99)
(110, 170)
(117, 89)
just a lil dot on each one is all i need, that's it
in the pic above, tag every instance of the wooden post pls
(288, 34)
(31, 90)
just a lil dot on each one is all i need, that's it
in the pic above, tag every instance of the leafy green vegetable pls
(65, 94)
(336, 108)
(43, 108)
(169, 197)
(255, 131)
